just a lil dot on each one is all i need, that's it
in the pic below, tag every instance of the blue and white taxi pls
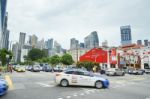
(81, 78)
(3, 86)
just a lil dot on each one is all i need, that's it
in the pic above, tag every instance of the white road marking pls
(88, 91)
(75, 95)
(148, 97)
(60, 98)
(43, 84)
(82, 94)
(68, 97)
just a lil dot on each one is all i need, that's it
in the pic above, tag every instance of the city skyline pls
(63, 20)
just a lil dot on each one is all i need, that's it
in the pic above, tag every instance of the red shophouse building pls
(99, 55)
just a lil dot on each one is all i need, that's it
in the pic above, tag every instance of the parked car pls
(135, 71)
(80, 78)
(147, 71)
(36, 68)
(102, 71)
(115, 72)
(47, 68)
(58, 69)
(29, 68)
(16, 67)
(3, 86)
(21, 69)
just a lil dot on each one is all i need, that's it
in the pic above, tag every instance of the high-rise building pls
(21, 44)
(145, 42)
(57, 47)
(81, 45)
(5, 34)
(5, 43)
(149, 43)
(3, 4)
(105, 43)
(40, 44)
(15, 51)
(92, 40)
(49, 44)
(24, 52)
(139, 42)
(33, 39)
(74, 44)
(126, 37)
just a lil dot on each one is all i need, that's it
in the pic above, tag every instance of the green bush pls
(88, 65)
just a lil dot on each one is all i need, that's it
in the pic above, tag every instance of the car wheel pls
(123, 74)
(142, 73)
(64, 83)
(98, 84)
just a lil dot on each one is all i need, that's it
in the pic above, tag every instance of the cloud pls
(64, 19)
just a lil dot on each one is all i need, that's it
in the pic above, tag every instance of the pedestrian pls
(10, 68)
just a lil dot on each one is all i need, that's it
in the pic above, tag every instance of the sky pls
(66, 19)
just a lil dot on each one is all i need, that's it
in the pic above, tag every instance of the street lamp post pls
(7, 61)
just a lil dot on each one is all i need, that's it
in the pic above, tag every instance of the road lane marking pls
(68, 97)
(9, 81)
(60, 98)
(75, 95)
(82, 94)
(43, 85)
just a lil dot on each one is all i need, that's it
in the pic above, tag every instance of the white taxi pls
(80, 78)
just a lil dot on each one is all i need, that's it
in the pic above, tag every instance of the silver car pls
(115, 72)
(135, 71)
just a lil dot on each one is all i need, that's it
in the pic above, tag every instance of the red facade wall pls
(95, 55)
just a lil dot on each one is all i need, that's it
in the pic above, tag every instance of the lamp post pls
(7, 60)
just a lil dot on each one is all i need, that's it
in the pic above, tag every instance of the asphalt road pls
(32, 85)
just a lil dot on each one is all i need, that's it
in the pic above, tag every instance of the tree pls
(54, 60)
(3, 53)
(36, 54)
(66, 59)
(88, 65)
(43, 60)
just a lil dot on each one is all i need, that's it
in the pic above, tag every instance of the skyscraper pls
(105, 43)
(15, 51)
(81, 45)
(145, 42)
(92, 40)
(3, 4)
(21, 43)
(126, 37)
(5, 34)
(40, 44)
(149, 43)
(49, 44)
(57, 47)
(5, 43)
(33, 39)
(74, 44)
(139, 42)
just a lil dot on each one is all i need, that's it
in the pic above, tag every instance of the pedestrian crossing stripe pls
(9, 81)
